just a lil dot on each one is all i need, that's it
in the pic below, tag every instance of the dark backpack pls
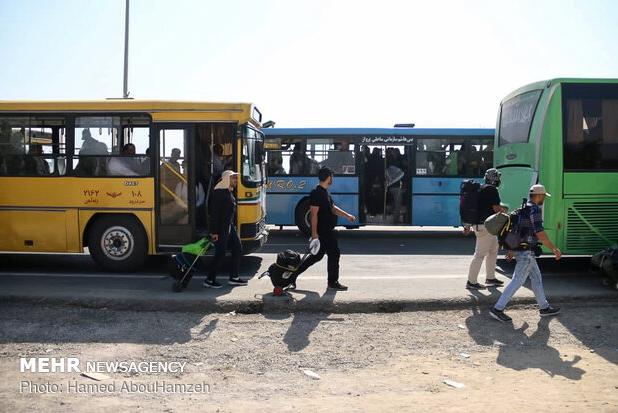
(288, 260)
(469, 202)
(607, 262)
(282, 272)
(510, 237)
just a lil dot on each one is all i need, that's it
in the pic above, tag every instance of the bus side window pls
(111, 146)
(275, 163)
(591, 127)
(295, 158)
(32, 146)
(431, 157)
(340, 158)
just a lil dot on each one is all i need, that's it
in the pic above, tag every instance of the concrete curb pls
(272, 304)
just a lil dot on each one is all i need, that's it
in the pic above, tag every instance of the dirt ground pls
(365, 362)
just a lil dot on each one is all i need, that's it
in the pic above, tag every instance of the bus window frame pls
(490, 140)
(354, 140)
(71, 142)
(563, 108)
(69, 125)
(55, 146)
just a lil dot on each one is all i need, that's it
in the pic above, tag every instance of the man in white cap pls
(223, 231)
(532, 231)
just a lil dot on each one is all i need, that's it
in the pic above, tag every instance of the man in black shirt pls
(324, 215)
(486, 244)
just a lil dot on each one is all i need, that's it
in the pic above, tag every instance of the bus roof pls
(546, 83)
(320, 132)
(115, 104)
(165, 110)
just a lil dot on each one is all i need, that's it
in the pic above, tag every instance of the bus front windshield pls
(516, 117)
(252, 157)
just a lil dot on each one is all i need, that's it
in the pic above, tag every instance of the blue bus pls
(384, 176)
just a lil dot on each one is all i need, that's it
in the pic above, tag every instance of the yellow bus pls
(125, 178)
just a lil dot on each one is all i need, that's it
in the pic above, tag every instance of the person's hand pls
(467, 230)
(314, 245)
(215, 237)
(557, 253)
(509, 256)
(351, 218)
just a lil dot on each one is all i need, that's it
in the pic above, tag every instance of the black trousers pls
(330, 247)
(226, 241)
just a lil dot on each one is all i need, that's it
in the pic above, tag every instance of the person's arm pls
(542, 236)
(314, 221)
(498, 208)
(495, 201)
(537, 223)
(341, 213)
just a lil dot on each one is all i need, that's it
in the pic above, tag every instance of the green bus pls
(563, 133)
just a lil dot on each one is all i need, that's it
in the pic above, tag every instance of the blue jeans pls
(526, 267)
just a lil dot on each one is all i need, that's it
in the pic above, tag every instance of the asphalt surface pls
(387, 270)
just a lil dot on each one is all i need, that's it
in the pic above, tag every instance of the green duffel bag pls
(495, 223)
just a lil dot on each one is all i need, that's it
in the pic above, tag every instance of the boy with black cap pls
(324, 215)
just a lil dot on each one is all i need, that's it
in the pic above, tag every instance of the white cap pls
(228, 173)
(538, 189)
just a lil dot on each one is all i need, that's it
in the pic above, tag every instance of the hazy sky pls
(309, 63)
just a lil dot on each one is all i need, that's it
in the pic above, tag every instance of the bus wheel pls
(118, 243)
(302, 216)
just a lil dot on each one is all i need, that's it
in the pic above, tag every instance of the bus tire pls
(302, 217)
(118, 243)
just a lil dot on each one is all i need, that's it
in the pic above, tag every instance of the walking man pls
(324, 215)
(532, 232)
(223, 231)
(486, 244)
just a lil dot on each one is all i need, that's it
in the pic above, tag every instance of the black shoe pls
(499, 315)
(493, 282)
(237, 281)
(291, 287)
(211, 284)
(549, 311)
(337, 286)
(475, 286)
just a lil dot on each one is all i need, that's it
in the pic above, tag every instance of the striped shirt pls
(531, 222)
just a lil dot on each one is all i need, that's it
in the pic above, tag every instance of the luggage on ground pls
(282, 272)
(606, 262)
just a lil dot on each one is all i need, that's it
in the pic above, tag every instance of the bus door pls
(386, 185)
(176, 190)
(214, 153)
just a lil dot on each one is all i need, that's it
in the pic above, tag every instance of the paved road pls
(386, 270)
